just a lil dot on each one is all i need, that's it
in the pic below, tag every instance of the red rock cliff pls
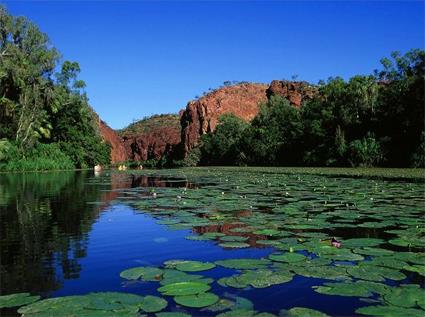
(201, 116)
(295, 91)
(151, 138)
(118, 152)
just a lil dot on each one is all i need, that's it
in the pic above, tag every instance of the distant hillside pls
(148, 124)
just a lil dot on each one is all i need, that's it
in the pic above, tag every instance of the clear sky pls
(144, 57)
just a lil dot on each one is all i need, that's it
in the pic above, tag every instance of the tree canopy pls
(42, 101)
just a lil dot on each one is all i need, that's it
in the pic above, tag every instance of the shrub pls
(366, 152)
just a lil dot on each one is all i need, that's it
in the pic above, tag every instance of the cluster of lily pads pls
(379, 257)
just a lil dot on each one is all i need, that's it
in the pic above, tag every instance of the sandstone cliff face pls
(151, 138)
(295, 91)
(201, 116)
(159, 135)
(118, 151)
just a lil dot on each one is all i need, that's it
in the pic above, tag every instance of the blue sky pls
(144, 57)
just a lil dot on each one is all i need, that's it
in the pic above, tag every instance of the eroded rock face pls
(151, 138)
(296, 92)
(118, 151)
(152, 145)
(201, 116)
(159, 135)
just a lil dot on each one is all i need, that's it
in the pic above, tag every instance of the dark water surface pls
(67, 233)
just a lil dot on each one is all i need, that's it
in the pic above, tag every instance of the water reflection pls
(46, 219)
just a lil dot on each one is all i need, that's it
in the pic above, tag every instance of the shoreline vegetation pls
(46, 122)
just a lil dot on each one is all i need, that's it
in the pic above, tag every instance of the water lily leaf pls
(233, 238)
(406, 296)
(288, 257)
(142, 272)
(18, 299)
(175, 276)
(197, 300)
(302, 312)
(420, 269)
(194, 266)
(324, 272)
(268, 232)
(242, 264)
(222, 304)
(258, 279)
(373, 251)
(344, 289)
(389, 311)
(234, 245)
(172, 314)
(92, 304)
(244, 313)
(184, 288)
(152, 304)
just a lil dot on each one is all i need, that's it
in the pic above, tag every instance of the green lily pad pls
(184, 288)
(233, 238)
(142, 272)
(406, 296)
(258, 279)
(194, 266)
(389, 311)
(344, 289)
(152, 304)
(171, 276)
(244, 313)
(172, 314)
(236, 245)
(92, 304)
(302, 312)
(242, 264)
(197, 300)
(18, 299)
(288, 257)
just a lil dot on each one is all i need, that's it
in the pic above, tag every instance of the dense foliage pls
(45, 119)
(375, 120)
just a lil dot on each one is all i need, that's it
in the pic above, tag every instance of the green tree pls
(221, 146)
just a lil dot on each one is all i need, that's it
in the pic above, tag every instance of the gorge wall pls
(151, 138)
(160, 135)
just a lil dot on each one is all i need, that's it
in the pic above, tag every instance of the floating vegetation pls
(197, 300)
(18, 299)
(302, 312)
(95, 304)
(359, 237)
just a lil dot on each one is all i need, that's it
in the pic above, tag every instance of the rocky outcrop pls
(151, 138)
(201, 116)
(118, 151)
(159, 135)
(296, 92)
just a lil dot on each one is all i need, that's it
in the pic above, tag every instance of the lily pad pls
(236, 245)
(194, 266)
(389, 311)
(242, 264)
(18, 299)
(184, 288)
(172, 314)
(197, 300)
(142, 272)
(302, 312)
(152, 304)
(288, 257)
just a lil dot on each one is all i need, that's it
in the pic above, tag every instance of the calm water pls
(73, 233)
